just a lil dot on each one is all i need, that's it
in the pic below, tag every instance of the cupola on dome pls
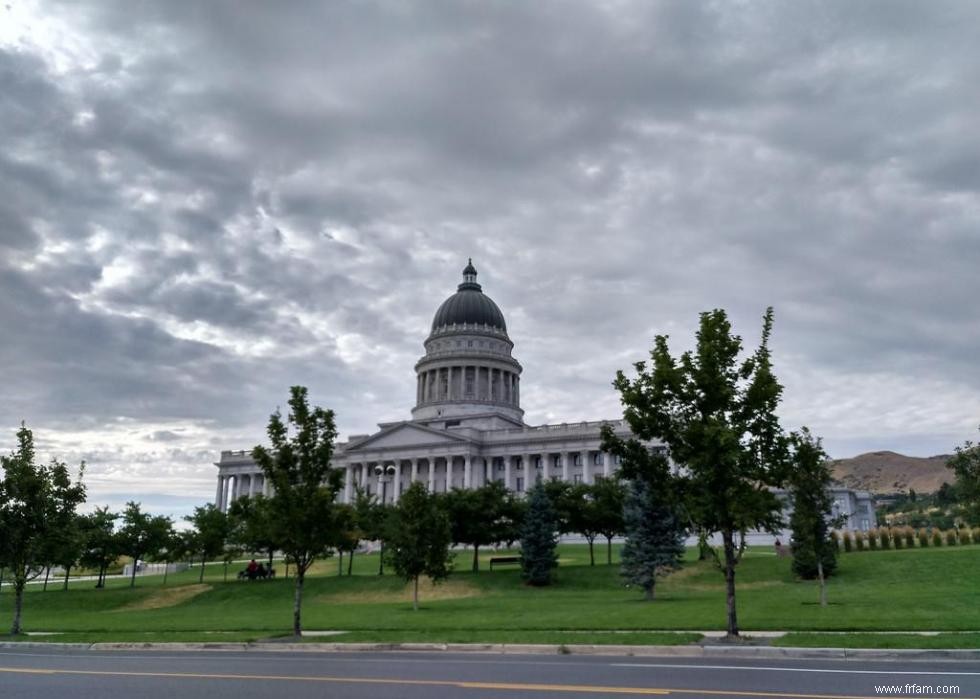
(469, 306)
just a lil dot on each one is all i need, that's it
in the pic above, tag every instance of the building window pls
(578, 459)
(537, 462)
(577, 478)
(599, 477)
(500, 464)
(469, 343)
(597, 459)
(557, 461)
(520, 465)
(520, 484)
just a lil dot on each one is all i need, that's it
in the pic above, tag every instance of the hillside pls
(888, 472)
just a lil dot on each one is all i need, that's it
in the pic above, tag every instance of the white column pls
(251, 485)
(545, 467)
(415, 470)
(398, 482)
(217, 493)
(565, 466)
(348, 483)
(509, 472)
(586, 467)
(432, 474)
(467, 471)
(606, 464)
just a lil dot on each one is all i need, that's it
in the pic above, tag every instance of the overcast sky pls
(204, 203)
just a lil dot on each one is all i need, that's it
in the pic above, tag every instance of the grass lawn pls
(920, 589)
(865, 640)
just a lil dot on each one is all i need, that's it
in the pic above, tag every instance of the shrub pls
(835, 539)
(873, 540)
(859, 541)
(937, 538)
(909, 538)
(896, 536)
(976, 535)
(848, 542)
(885, 536)
(951, 537)
(923, 538)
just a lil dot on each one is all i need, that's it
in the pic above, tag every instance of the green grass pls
(905, 590)
(867, 640)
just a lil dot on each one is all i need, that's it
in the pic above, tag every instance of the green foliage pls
(212, 529)
(859, 541)
(965, 463)
(539, 538)
(814, 552)
(896, 537)
(884, 535)
(717, 415)
(873, 540)
(482, 516)
(608, 496)
(100, 545)
(909, 535)
(37, 508)
(654, 533)
(297, 464)
(420, 538)
(142, 535)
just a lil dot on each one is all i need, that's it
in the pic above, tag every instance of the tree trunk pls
(340, 563)
(608, 550)
(200, 578)
(648, 592)
(47, 574)
(132, 578)
(823, 584)
(728, 539)
(591, 552)
(19, 585)
(381, 559)
(226, 571)
(166, 569)
(476, 558)
(270, 557)
(415, 595)
(350, 563)
(298, 602)
(67, 573)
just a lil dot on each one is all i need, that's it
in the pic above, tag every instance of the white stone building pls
(467, 427)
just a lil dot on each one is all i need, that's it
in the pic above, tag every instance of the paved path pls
(33, 672)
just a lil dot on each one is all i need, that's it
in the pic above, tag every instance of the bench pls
(500, 560)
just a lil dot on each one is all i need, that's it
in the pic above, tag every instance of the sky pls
(202, 204)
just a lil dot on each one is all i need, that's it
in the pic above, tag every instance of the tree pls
(562, 504)
(305, 487)
(814, 553)
(348, 536)
(654, 533)
(479, 516)
(584, 515)
(372, 520)
(100, 545)
(609, 495)
(37, 502)
(211, 532)
(67, 546)
(717, 416)
(142, 535)
(539, 538)
(252, 526)
(965, 463)
(420, 538)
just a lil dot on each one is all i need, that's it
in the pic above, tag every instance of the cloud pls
(206, 204)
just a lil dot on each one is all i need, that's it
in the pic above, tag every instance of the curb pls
(707, 651)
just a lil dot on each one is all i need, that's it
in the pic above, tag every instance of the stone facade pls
(467, 426)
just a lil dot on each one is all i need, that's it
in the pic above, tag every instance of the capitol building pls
(467, 427)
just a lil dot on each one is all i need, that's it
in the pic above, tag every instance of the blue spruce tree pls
(539, 539)
(654, 536)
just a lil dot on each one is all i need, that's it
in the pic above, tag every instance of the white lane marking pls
(763, 668)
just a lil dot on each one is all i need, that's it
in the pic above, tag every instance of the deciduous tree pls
(966, 465)
(37, 502)
(297, 464)
(717, 415)
(142, 535)
(420, 538)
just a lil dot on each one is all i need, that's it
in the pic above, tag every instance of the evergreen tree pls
(654, 536)
(539, 538)
(419, 539)
(814, 552)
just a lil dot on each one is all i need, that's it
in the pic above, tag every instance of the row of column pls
(395, 476)
(234, 486)
(468, 382)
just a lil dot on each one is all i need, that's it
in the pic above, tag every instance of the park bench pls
(500, 560)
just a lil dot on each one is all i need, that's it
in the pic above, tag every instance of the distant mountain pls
(887, 472)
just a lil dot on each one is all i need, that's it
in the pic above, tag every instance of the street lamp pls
(384, 474)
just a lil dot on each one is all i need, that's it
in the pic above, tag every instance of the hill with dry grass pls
(888, 472)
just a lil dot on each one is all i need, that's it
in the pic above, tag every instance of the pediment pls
(406, 435)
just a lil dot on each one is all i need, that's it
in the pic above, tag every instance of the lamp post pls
(384, 474)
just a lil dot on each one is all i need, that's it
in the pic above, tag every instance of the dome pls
(469, 305)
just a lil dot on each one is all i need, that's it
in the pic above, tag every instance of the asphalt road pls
(34, 672)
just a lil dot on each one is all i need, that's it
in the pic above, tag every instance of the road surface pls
(41, 672)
